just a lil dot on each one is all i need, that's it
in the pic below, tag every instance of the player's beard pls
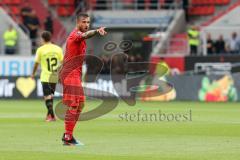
(86, 29)
(83, 29)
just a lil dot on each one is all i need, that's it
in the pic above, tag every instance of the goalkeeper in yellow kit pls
(50, 57)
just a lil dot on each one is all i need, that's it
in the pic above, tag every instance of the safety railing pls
(134, 5)
(177, 46)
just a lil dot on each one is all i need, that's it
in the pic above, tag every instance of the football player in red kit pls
(71, 72)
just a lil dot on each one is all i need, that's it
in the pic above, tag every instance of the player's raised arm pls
(101, 31)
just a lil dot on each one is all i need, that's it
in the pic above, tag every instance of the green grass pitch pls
(213, 133)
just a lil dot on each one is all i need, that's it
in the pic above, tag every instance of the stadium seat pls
(11, 2)
(64, 11)
(210, 10)
(201, 10)
(7, 2)
(16, 2)
(63, 2)
(53, 2)
(203, 2)
(15, 10)
(191, 11)
(66, 2)
(71, 2)
(222, 2)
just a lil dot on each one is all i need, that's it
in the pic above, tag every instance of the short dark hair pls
(46, 36)
(84, 15)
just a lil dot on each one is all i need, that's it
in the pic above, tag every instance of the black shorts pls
(48, 88)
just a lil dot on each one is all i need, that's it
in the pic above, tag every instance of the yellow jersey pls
(50, 57)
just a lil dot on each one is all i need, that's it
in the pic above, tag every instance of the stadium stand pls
(23, 42)
(64, 10)
(200, 12)
(67, 8)
(205, 7)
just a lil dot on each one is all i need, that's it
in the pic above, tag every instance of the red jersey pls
(71, 72)
(75, 53)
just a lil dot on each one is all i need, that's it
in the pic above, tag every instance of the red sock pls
(71, 119)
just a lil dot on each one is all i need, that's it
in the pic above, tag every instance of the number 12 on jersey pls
(52, 64)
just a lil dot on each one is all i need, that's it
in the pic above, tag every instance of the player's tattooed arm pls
(92, 33)
(34, 70)
(89, 34)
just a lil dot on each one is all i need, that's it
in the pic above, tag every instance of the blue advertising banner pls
(16, 66)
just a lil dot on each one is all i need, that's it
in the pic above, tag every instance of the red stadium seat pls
(209, 2)
(6, 2)
(222, 2)
(66, 2)
(71, 9)
(64, 11)
(203, 2)
(63, 2)
(201, 10)
(53, 2)
(210, 10)
(71, 2)
(11, 2)
(16, 2)
(195, 2)
(15, 10)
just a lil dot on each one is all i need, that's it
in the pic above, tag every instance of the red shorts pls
(73, 93)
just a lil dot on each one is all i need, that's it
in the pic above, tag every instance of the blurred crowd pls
(222, 45)
(30, 24)
(219, 45)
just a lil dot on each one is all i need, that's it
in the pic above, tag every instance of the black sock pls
(49, 105)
